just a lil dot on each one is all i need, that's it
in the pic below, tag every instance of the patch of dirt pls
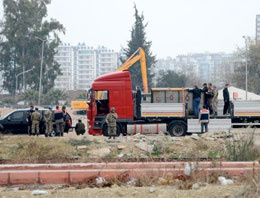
(210, 191)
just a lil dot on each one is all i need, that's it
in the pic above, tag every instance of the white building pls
(257, 36)
(81, 64)
(65, 58)
(199, 67)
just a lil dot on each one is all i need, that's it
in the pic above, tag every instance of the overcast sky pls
(174, 26)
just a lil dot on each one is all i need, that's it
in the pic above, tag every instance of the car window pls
(17, 115)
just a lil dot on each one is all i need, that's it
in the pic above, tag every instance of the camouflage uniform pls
(29, 121)
(48, 121)
(36, 118)
(215, 101)
(111, 122)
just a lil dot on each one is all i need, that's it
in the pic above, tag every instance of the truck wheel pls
(177, 128)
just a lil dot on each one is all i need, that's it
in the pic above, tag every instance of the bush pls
(242, 149)
(38, 150)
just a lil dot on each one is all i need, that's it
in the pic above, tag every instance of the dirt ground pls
(210, 191)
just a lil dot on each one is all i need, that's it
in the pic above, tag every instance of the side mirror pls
(9, 118)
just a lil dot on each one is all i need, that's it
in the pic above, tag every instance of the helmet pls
(113, 109)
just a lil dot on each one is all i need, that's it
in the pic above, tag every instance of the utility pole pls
(40, 83)
(246, 45)
(16, 79)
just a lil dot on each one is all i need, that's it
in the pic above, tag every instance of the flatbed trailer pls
(166, 110)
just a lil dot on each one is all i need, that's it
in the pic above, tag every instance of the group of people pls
(210, 99)
(210, 103)
(60, 117)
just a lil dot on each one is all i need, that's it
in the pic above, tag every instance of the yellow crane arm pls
(138, 55)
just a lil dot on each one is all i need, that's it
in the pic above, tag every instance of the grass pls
(212, 154)
(242, 148)
(40, 150)
(81, 142)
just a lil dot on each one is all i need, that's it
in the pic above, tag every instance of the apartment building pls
(201, 67)
(257, 36)
(84, 64)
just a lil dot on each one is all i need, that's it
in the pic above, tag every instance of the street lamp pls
(16, 79)
(246, 43)
(40, 83)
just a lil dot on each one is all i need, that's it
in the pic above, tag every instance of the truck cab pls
(110, 90)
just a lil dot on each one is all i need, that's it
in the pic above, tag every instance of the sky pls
(174, 26)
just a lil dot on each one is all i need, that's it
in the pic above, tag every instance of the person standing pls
(205, 90)
(215, 100)
(209, 96)
(204, 119)
(80, 128)
(138, 102)
(66, 118)
(226, 99)
(196, 99)
(111, 123)
(36, 118)
(29, 120)
(59, 121)
(48, 116)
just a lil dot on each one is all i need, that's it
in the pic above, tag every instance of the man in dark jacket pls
(226, 99)
(196, 99)
(80, 128)
(59, 121)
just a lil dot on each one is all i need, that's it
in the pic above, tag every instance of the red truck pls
(165, 109)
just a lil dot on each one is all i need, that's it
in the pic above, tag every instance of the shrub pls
(242, 148)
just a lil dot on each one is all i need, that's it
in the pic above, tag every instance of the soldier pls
(36, 118)
(111, 123)
(48, 116)
(29, 121)
(80, 128)
(58, 117)
(215, 100)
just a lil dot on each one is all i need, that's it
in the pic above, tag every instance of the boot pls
(109, 137)
(114, 137)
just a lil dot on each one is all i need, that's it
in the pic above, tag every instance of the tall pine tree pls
(23, 29)
(138, 39)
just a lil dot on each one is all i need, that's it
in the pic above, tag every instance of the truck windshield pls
(101, 98)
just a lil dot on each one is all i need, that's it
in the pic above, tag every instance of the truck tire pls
(177, 128)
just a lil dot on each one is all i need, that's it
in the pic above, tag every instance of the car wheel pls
(52, 134)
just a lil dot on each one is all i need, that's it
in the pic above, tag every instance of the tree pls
(30, 96)
(253, 68)
(138, 39)
(54, 96)
(23, 29)
(171, 79)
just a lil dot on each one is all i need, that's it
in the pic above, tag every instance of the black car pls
(16, 123)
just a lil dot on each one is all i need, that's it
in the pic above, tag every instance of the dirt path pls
(211, 191)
